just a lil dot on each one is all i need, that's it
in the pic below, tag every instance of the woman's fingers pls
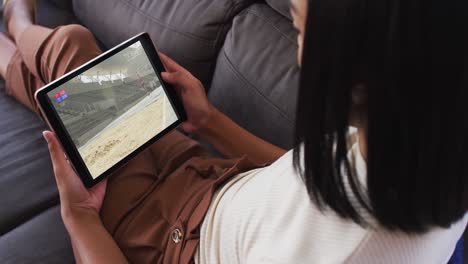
(178, 79)
(170, 64)
(64, 174)
(56, 155)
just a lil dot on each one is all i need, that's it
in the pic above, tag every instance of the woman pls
(394, 191)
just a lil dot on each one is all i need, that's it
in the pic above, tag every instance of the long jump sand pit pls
(125, 136)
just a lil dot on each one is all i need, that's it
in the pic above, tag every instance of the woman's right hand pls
(193, 96)
(76, 201)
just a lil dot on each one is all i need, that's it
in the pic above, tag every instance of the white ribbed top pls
(266, 216)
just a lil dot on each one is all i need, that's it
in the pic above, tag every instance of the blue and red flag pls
(60, 96)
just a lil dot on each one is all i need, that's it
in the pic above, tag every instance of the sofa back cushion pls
(54, 13)
(63, 4)
(281, 6)
(256, 77)
(189, 31)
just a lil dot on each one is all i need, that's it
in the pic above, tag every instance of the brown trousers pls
(155, 204)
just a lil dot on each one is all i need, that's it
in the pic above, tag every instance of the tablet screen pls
(113, 108)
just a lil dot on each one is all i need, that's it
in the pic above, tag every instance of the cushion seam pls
(254, 88)
(31, 217)
(267, 21)
(166, 25)
(226, 22)
(224, 30)
(219, 39)
(279, 11)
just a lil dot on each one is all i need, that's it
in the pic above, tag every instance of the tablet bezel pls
(56, 124)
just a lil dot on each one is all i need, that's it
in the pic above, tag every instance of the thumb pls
(54, 147)
(59, 162)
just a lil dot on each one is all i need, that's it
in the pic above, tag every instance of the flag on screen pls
(60, 96)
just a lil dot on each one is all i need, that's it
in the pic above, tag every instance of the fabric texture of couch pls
(256, 84)
(188, 31)
(31, 230)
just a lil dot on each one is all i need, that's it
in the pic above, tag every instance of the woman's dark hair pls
(412, 57)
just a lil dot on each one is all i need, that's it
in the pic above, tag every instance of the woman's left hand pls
(192, 94)
(76, 201)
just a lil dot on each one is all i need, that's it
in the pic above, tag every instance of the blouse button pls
(176, 236)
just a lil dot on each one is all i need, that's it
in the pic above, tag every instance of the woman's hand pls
(213, 127)
(76, 201)
(192, 94)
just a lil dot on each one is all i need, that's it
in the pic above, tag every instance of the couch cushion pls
(50, 13)
(27, 185)
(281, 6)
(256, 77)
(63, 5)
(190, 31)
(33, 242)
(53, 13)
(31, 230)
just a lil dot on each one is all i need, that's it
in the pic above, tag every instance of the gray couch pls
(243, 51)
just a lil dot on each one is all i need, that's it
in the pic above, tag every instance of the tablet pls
(110, 109)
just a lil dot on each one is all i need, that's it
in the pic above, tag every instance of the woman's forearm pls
(75, 252)
(232, 141)
(91, 241)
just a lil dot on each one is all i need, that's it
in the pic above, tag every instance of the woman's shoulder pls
(271, 214)
(270, 211)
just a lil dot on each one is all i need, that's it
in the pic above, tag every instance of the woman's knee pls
(71, 46)
(75, 34)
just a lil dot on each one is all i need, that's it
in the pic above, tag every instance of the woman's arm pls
(80, 211)
(212, 126)
(75, 251)
(231, 140)
(91, 241)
